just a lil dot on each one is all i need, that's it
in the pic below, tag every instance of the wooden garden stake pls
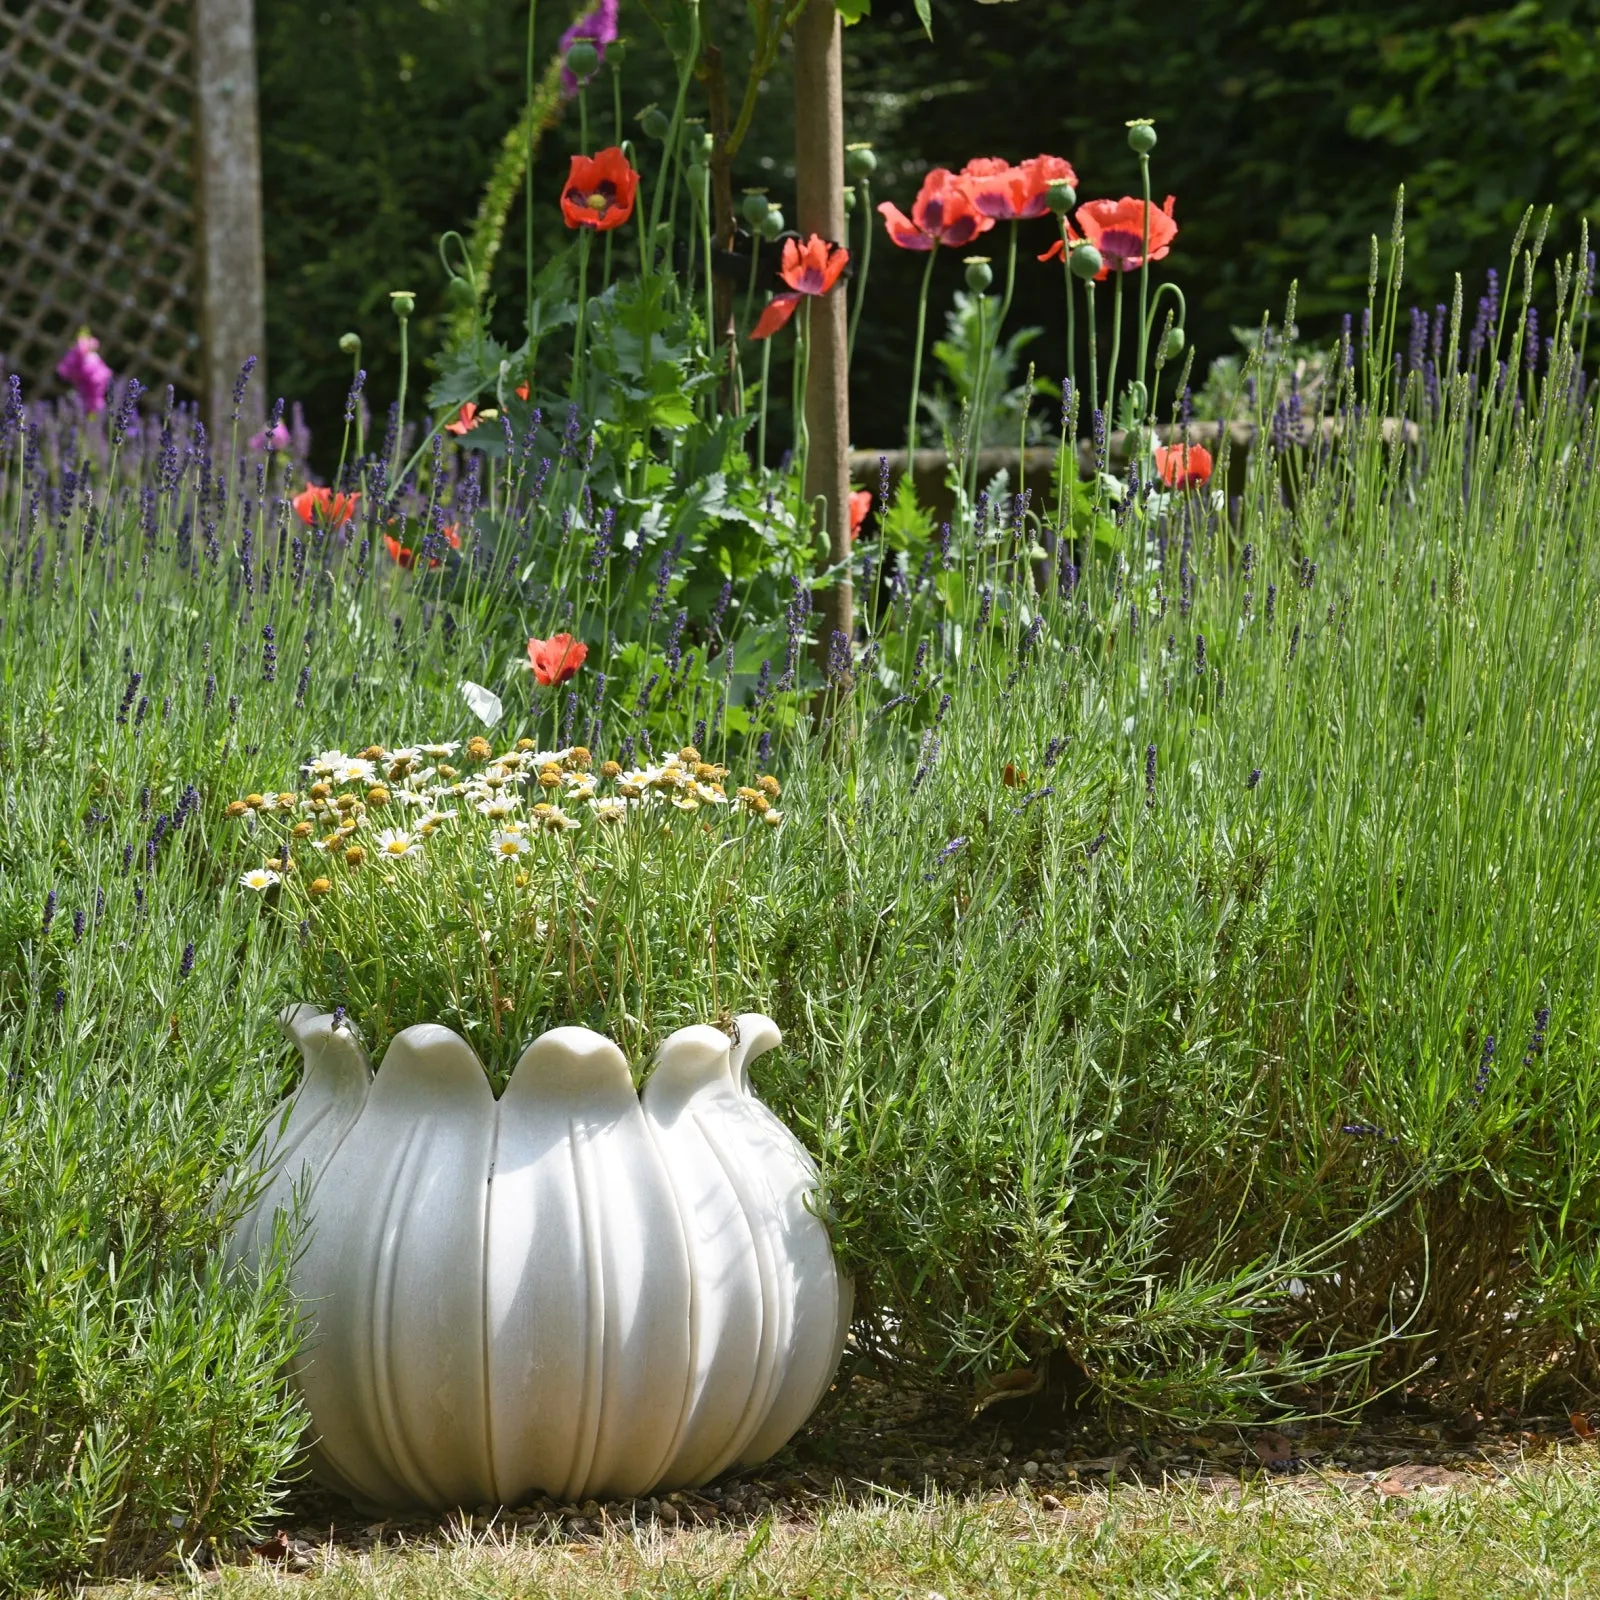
(819, 181)
(228, 192)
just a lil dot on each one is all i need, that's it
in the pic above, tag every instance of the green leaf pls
(852, 11)
(925, 15)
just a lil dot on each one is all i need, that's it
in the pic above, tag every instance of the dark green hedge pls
(1285, 129)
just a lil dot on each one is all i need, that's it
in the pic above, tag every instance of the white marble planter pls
(574, 1290)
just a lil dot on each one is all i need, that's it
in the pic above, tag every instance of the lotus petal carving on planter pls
(574, 1290)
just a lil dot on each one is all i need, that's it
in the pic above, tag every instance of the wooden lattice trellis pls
(129, 190)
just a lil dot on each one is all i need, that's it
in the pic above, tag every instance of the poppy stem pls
(916, 371)
(583, 311)
(802, 367)
(1116, 353)
(1144, 272)
(989, 348)
(1072, 332)
(1094, 354)
(761, 424)
(864, 188)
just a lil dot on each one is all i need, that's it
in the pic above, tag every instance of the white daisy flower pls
(355, 769)
(407, 797)
(440, 752)
(505, 845)
(397, 842)
(708, 796)
(498, 807)
(326, 764)
(259, 879)
(610, 809)
(557, 821)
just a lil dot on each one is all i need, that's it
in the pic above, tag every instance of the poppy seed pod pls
(403, 301)
(1085, 261)
(772, 224)
(1141, 136)
(859, 162)
(583, 60)
(350, 343)
(754, 207)
(655, 123)
(979, 274)
(1060, 197)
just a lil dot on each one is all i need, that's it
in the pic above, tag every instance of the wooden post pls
(228, 192)
(819, 180)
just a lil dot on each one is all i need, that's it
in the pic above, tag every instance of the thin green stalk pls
(859, 298)
(1144, 271)
(1094, 354)
(916, 366)
(585, 237)
(761, 420)
(1116, 349)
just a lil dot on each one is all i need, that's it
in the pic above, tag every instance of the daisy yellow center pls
(398, 847)
(509, 847)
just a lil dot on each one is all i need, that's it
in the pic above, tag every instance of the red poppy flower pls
(1183, 466)
(941, 214)
(1116, 228)
(860, 505)
(466, 420)
(407, 558)
(810, 268)
(600, 191)
(318, 503)
(1005, 193)
(555, 659)
(522, 391)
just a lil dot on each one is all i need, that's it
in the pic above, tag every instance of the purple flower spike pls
(85, 369)
(599, 27)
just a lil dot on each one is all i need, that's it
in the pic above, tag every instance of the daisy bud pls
(1086, 261)
(1060, 197)
(611, 769)
(302, 830)
(320, 885)
(256, 802)
(524, 745)
(354, 856)
(979, 274)
(754, 207)
(236, 809)
(1141, 136)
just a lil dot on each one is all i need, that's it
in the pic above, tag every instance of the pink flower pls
(277, 437)
(85, 369)
(599, 27)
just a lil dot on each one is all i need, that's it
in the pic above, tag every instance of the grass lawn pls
(1529, 1531)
